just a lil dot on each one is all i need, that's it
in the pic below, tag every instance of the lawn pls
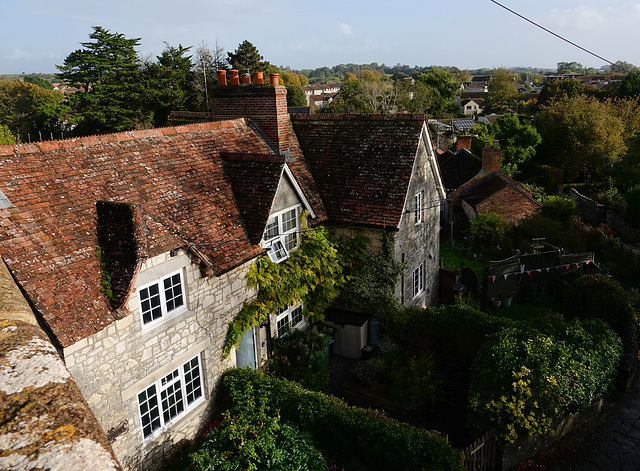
(472, 257)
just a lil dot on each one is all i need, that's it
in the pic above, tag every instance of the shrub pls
(299, 356)
(599, 297)
(555, 232)
(415, 384)
(487, 227)
(356, 438)
(526, 376)
(559, 208)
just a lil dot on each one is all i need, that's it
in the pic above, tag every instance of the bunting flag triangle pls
(529, 272)
(506, 275)
(493, 279)
(548, 268)
(588, 262)
(568, 266)
(539, 271)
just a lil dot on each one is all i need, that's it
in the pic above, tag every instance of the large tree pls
(558, 90)
(581, 137)
(246, 58)
(170, 82)
(112, 95)
(442, 89)
(518, 141)
(502, 93)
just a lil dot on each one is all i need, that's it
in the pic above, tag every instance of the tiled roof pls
(458, 168)
(492, 184)
(361, 164)
(254, 179)
(172, 176)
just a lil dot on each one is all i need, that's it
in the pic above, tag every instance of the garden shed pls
(352, 332)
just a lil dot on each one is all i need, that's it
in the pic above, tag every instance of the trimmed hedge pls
(352, 437)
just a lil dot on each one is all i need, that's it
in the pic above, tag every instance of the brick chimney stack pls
(265, 105)
(491, 157)
(463, 141)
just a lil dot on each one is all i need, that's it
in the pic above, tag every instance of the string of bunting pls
(539, 270)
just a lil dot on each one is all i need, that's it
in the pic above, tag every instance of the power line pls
(558, 36)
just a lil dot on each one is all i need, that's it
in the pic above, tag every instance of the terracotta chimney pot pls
(235, 79)
(258, 78)
(222, 78)
(274, 79)
(246, 79)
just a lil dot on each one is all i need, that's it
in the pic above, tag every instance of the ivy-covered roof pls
(361, 164)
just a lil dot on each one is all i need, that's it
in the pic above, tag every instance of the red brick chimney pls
(491, 157)
(265, 105)
(463, 141)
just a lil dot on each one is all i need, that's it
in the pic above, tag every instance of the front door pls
(246, 353)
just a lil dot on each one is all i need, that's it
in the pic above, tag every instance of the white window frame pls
(279, 236)
(417, 217)
(286, 319)
(418, 280)
(164, 302)
(186, 388)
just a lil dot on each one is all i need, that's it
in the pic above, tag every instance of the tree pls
(108, 72)
(39, 81)
(5, 135)
(246, 58)
(31, 112)
(630, 87)
(560, 89)
(170, 82)
(570, 68)
(502, 93)
(206, 64)
(580, 137)
(443, 92)
(518, 141)
(295, 93)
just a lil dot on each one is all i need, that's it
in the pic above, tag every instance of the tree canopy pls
(246, 58)
(502, 93)
(581, 137)
(112, 94)
(518, 141)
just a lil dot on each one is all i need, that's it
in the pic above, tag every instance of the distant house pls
(492, 190)
(472, 107)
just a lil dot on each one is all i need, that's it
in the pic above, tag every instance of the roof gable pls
(362, 164)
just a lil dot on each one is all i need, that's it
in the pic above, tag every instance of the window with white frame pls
(170, 397)
(162, 298)
(281, 233)
(418, 208)
(288, 319)
(418, 280)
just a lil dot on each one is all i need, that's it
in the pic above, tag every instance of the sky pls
(469, 34)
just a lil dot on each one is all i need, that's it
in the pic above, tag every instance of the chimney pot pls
(258, 78)
(235, 79)
(274, 79)
(222, 78)
(246, 79)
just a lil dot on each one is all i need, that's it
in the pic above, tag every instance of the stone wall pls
(46, 423)
(420, 243)
(114, 365)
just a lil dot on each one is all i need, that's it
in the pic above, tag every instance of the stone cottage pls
(132, 248)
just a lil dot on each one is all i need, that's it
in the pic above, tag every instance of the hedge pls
(351, 436)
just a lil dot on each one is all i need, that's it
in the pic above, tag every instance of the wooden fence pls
(481, 454)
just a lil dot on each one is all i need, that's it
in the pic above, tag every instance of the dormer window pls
(281, 234)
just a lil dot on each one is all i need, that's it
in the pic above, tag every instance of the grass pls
(471, 257)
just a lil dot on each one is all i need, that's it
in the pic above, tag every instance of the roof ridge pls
(112, 138)
(363, 116)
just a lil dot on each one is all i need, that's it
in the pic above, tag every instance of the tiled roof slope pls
(254, 179)
(49, 238)
(458, 168)
(362, 164)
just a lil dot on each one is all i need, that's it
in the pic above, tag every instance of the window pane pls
(192, 382)
(291, 241)
(271, 230)
(173, 292)
(149, 412)
(283, 325)
(277, 252)
(296, 316)
(150, 303)
(172, 402)
(289, 221)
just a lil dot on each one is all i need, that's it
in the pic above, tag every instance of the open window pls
(282, 233)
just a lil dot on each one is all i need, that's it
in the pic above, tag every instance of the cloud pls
(345, 29)
(20, 55)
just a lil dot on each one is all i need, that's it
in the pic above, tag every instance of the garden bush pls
(299, 356)
(599, 297)
(349, 437)
(526, 376)
(559, 208)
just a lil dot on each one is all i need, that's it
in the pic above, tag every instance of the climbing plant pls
(313, 275)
